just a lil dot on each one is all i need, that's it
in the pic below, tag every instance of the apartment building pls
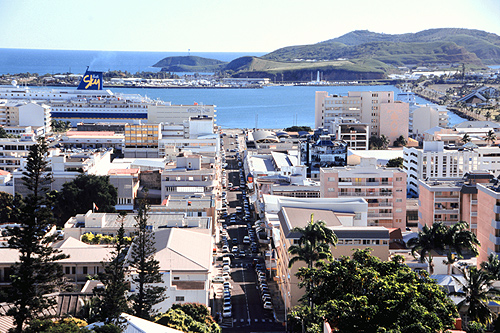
(383, 188)
(108, 224)
(435, 161)
(24, 113)
(141, 140)
(13, 152)
(352, 132)
(188, 175)
(425, 117)
(488, 220)
(349, 238)
(378, 109)
(91, 140)
(452, 200)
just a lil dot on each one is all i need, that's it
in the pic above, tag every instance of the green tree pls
(188, 317)
(145, 269)
(366, 294)
(312, 246)
(453, 240)
(9, 207)
(400, 142)
(492, 266)
(3, 133)
(459, 238)
(477, 291)
(428, 240)
(79, 195)
(314, 243)
(60, 126)
(395, 162)
(111, 300)
(37, 272)
(466, 138)
(490, 137)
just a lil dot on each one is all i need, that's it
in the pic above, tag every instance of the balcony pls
(496, 209)
(372, 183)
(380, 204)
(365, 194)
(446, 211)
(473, 202)
(495, 224)
(380, 215)
(494, 240)
(473, 214)
(446, 199)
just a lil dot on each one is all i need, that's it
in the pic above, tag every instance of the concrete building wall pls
(488, 222)
(394, 118)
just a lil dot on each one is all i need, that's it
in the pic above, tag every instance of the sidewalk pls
(278, 305)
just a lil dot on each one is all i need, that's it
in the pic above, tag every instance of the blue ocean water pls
(14, 61)
(269, 107)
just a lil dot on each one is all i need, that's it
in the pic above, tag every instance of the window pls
(176, 278)
(66, 269)
(399, 200)
(357, 216)
(85, 270)
(331, 179)
(399, 210)
(331, 189)
(399, 179)
(179, 298)
(73, 270)
(366, 242)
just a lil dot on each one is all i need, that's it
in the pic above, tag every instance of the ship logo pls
(91, 81)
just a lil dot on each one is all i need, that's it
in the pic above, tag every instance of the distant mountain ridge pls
(433, 45)
(357, 55)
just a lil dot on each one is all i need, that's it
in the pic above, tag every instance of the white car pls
(226, 313)
(225, 248)
(246, 240)
(226, 269)
(226, 276)
(268, 306)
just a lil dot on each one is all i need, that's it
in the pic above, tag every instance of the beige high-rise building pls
(376, 108)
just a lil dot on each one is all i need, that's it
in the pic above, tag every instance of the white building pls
(14, 151)
(21, 113)
(424, 117)
(435, 161)
(185, 257)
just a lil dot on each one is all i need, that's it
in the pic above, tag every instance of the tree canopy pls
(79, 195)
(366, 294)
(189, 317)
(395, 162)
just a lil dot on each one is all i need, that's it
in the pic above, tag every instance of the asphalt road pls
(248, 314)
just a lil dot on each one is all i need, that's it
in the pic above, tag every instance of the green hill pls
(304, 71)
(445, 45)
(189, 64)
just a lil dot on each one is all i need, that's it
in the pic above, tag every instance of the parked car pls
(268, 306)
(218, 279)
(227, 313)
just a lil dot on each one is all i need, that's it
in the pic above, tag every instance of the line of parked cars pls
(265, 295)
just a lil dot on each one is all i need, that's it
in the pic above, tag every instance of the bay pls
(270, 107)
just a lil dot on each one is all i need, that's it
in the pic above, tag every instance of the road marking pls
(242, 320)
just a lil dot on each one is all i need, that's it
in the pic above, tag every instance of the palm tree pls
(490, 137)
(458, 238)
(466, 138)
(477, 291)
(400, 142)
(385, 141)
(492, 266)
(313, 244)
(428, 240)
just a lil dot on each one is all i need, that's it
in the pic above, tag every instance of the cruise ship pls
(88, 103)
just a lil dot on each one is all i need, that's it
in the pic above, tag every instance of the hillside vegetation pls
(357, 55)
(189, 64)
(445, 45)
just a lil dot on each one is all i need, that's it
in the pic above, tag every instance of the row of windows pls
(362, 242)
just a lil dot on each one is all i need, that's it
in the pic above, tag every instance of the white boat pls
(87, 103)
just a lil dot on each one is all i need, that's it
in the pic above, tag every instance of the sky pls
(224, 25)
